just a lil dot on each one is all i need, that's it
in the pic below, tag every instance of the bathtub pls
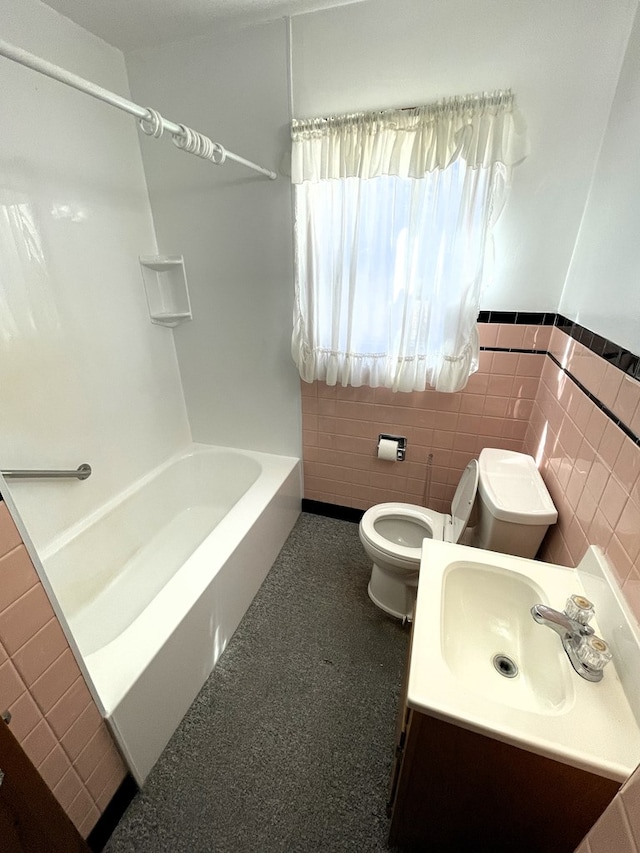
(154, 584)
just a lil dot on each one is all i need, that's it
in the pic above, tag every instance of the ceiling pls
(134, 24)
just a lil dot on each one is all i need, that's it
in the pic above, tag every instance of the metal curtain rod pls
(81, 473)
(17, 54)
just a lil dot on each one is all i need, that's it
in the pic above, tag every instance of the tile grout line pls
(604, 409)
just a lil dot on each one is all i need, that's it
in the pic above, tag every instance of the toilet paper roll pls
(388, 449)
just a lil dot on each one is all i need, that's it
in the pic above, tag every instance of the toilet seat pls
(437, 525)
(463, 501)
(426, 521)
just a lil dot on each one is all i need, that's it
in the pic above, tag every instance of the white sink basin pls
(485, 617)
(473, 605)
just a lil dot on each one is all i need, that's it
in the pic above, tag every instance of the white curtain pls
(393, 218)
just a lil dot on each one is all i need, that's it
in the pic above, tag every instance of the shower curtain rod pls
(188, 140)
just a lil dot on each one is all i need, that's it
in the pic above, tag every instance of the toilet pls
(512, 512)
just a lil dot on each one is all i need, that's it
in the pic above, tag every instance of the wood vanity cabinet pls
(456, 791)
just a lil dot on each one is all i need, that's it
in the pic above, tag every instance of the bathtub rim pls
(183, 589)
(189, 450)
(128, 726)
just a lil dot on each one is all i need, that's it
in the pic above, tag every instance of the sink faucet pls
(578, 641)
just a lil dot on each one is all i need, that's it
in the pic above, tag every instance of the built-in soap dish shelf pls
(165, 284)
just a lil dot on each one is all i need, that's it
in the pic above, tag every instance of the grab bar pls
(81, 473)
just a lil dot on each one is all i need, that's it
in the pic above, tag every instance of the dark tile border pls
(344, 513)
(514, 349)
(110, 817)
(604, 409)
(528, 318)
(620, 357)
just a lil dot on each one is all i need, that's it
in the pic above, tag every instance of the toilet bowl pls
(392, 535)
(514, 511)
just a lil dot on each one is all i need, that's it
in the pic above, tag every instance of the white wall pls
(84, 376)
(560, 58)
(234, 229)
(602, 291)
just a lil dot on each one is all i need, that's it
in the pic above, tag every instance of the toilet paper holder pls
(402, 444)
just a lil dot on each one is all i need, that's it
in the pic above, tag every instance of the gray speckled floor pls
(288, 746)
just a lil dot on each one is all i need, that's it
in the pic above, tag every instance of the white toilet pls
(513, 508)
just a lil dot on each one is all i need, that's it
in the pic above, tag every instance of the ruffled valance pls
(483, 129)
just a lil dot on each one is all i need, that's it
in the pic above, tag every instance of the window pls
(392, 218)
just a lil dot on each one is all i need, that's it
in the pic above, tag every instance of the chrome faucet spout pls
(574, 636)
(559, 622)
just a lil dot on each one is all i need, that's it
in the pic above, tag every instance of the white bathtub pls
(155, 583)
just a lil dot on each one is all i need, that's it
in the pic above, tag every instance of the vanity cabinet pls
(455, 790)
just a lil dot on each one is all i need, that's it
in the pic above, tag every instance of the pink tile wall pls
(518, 401)
(53, 714)
(591, 468)
(341, 427)
(618, 829)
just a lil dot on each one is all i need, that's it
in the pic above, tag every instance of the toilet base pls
(393, 593)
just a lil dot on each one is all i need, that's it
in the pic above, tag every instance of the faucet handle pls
(593, 652)
(579, 608)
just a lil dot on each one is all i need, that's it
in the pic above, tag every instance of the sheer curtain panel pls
(393, 219)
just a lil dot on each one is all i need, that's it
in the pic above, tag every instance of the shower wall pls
(84, 375)
(233, 227)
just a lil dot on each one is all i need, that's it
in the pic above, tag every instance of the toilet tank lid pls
(512, 488)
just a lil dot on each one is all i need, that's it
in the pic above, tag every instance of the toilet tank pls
(514, 506)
